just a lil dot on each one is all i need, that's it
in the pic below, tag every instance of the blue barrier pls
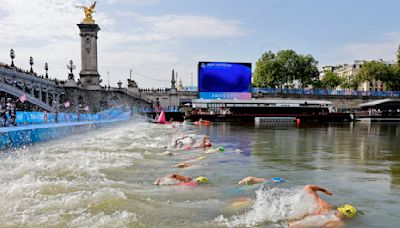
(23, 117)
(24, 135)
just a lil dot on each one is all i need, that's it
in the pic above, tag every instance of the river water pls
(105, 178)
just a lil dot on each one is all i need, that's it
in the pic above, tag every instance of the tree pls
(265, 74)
(394, 83)
(398, 56)
(331, 80)
(284, 69)
(373, 71)
(352, 83)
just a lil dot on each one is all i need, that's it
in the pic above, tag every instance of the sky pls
(152, 37)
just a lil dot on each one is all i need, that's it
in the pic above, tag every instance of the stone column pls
(89, 75)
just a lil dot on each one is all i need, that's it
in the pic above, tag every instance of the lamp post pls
(12, 55)
(46, 68)
(108, 78)
(71, 67)
(191, 81)
(31, 63)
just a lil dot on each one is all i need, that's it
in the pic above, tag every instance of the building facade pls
(350, 71)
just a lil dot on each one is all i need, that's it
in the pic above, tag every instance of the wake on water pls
(274, 206)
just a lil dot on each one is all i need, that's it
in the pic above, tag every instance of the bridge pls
(341, 99)
(47, 93)
(42, 92)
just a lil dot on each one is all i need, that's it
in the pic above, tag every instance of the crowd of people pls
(323, 216)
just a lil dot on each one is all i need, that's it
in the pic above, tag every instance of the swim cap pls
(202, 180)
(277, 180)
(348, 210)
(221, 149)
(201, 158)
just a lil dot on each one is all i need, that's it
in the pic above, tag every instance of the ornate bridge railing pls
(41, 92)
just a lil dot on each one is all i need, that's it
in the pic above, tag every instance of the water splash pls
(273, 205)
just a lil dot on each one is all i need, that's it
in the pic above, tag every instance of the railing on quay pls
(327, 92)
(155, 110)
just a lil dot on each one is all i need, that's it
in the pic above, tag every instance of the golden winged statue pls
(88, 13)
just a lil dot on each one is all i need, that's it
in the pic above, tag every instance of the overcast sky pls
(152, 37)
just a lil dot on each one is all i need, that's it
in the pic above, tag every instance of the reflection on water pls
(105, 178)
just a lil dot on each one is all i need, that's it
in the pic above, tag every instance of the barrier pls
(25, 135)
(24, 118)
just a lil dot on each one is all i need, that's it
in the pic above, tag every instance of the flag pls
(23, 98)
(66, 104)
(86, 108)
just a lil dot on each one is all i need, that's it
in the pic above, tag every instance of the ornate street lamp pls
(46, 68)
(12, 55)
(31, 63)
(71, 67)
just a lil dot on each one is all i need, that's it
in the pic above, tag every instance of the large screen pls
(224, 80)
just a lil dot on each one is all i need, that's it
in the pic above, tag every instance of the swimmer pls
(215, 150)
(252, 180)
(325, 216)
(172, 179)
(184, 141)
(168, 153)
(204, 143)
(182, 165)
(176, 179)
(255, 180)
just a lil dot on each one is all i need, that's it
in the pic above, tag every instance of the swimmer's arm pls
(334, 224)
(312, 189)
(181, 178)
(252, 180)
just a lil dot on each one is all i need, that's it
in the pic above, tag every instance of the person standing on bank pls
(3, 116)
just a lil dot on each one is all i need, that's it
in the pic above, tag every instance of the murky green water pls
(105, 179)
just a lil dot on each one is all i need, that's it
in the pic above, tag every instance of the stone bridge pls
(39, 91)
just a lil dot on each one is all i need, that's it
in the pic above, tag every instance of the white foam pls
(273, 205)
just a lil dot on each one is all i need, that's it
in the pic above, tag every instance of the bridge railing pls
(324, 92)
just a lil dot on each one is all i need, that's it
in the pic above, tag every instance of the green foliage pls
(398, 56)
(352, 83)
(285, 68)
(331, 80)
(394, 83)
(375, 70)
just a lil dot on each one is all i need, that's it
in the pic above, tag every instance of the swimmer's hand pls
(315, 188)
(251, 180)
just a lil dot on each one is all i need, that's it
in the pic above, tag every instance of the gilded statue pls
(88, 13)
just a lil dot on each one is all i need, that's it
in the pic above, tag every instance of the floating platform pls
(328, 117)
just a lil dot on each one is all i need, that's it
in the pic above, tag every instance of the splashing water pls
(273, 205)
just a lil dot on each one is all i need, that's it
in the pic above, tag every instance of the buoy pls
(201, 158)
(298, 121)
(161, 119)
